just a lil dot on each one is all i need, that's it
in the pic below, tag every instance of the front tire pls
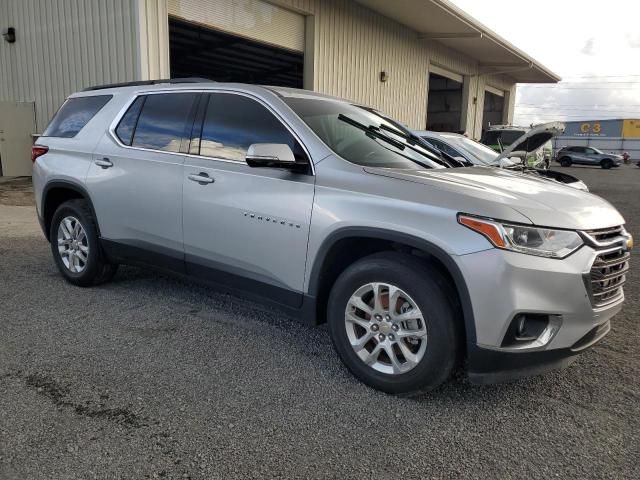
(606, 164)
(75, 245)
(393, 324)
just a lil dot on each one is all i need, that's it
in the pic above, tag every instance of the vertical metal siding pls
(354, 44)
(63, 46)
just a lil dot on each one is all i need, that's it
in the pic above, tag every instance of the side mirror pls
(273, 155)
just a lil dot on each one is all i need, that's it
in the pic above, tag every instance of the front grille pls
(608, 274)
(604, 234)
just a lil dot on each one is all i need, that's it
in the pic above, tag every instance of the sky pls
(593, 45)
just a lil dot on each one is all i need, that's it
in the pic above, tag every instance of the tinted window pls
(443, 147)
(233, 122)
(334, 121)
(163, 121)
(127, 125)
(74, 115)
(510, 136)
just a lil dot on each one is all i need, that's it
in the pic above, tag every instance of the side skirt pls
(295, 304)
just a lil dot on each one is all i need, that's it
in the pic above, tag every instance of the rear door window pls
(163, 122)
(74, 114)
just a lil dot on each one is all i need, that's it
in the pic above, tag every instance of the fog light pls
(531, 330)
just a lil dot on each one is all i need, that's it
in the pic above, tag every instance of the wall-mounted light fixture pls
(384, 76)
(9, 34)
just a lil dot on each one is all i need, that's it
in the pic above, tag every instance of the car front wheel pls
(392, 323)
(75, 245)
(606, 164)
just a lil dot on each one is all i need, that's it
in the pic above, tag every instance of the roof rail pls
(149, 82)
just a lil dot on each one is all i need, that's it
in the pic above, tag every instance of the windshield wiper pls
(371, 131)
(414, 140)
(374, 133)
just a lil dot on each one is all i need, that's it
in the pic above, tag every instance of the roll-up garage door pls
(253, 19)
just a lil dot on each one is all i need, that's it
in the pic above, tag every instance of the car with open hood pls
(470, 153)
(334, 214)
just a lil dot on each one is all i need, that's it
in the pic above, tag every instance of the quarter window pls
(127, 125)
(162, 123)
(234, 122)
(74, 115)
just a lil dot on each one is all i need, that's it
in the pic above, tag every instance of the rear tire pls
(75, 245)
(412, 343)
(565, 162)
(606, 163)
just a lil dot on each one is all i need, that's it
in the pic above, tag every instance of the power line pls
(576, 87)
(578, 105)
(634, 112)
(603, 76)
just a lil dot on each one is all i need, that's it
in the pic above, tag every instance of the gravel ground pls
(153, 377)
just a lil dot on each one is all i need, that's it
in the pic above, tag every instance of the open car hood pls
(533, 139)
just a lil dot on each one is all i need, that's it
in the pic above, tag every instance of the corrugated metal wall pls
(66, 45)
(353, 44)
(63, 46)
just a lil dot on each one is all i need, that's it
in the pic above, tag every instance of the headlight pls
(543, 242)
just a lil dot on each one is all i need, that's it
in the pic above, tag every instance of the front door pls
(135, 179)
(245, 227)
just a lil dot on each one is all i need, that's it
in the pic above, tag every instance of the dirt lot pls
(152, 377)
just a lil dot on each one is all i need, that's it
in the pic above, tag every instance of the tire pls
(607, 163)
(565, 162)
(419, 284)
(87, 265)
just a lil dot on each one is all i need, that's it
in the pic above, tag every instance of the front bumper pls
(503, 285)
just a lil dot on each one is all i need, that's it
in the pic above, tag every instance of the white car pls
(470, 152)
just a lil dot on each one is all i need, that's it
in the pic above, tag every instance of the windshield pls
(478, 153)
(361, 136)
(597, 150)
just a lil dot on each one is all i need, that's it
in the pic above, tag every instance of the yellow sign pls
(631, 129)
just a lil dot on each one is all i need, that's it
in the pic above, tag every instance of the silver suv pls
(337, 214)
(568, 156)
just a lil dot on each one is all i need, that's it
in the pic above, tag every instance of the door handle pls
(201, 178)
(104, 162)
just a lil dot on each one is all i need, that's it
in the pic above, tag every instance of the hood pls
(533, 139)
(544, 203)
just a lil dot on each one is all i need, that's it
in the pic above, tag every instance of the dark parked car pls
(588, 156)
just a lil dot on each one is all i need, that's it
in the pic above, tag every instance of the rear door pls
(245, 227)
(135, 180)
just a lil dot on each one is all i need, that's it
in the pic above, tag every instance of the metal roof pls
(443, 22)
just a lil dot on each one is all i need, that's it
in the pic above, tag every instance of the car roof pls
(169, 86)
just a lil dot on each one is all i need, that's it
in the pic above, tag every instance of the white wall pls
(63, 46)
(66, 45)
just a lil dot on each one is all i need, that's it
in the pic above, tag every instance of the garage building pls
(424, 62)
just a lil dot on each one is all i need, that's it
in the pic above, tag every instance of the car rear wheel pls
(392, 323)
(75, 245)
(565, 161)
(606, 163)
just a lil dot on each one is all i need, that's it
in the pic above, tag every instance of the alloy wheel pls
(385, 328)
(73, 245)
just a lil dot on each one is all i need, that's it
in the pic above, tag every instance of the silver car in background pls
(472, 153)
(568, 156)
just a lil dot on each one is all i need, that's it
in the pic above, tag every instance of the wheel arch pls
(57, 192)
(324, 271)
